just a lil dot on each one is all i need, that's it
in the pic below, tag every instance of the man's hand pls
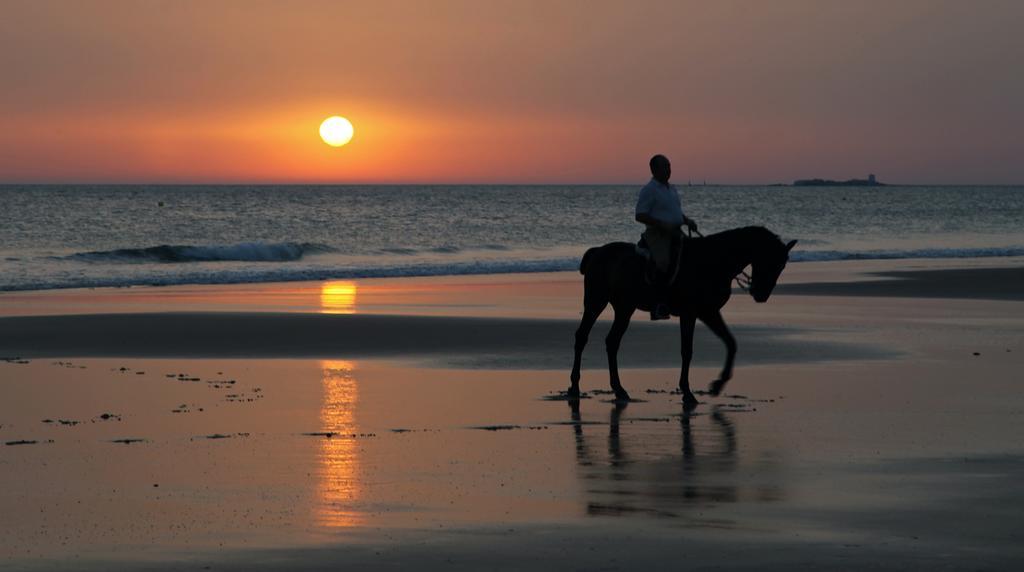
(690, 223)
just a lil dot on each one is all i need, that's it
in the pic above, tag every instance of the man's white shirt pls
(660, 202)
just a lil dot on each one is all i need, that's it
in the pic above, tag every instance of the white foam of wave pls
(830, 255)
(291, 273)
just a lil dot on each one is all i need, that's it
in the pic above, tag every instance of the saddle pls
(651, 273)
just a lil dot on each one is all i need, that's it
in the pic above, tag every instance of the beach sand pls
(874, 421)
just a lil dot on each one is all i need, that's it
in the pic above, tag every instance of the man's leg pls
(660, 245)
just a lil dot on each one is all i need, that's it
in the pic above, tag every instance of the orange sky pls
(521, 91)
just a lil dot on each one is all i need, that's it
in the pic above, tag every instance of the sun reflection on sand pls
(338, 297)
(338, 487)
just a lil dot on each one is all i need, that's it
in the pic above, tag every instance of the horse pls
(615, 274)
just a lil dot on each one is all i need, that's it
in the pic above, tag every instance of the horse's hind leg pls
(686, 323)
(622, 317)
(590, 315)
(716, 324)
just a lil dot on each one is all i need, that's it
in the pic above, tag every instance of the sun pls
(336, 131)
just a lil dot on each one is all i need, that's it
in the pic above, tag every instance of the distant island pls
(869, 182)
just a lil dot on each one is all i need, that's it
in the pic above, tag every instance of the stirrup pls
(664, 314)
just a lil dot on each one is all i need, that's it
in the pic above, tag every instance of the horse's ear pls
(790, 245)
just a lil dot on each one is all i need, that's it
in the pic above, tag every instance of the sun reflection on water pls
(338, 297)
(339, 478)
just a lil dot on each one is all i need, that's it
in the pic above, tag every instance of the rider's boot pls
(659, 308)
(661, 312)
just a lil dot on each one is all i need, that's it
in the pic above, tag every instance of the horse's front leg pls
(622, 317)
(686, 323)
(716, 324)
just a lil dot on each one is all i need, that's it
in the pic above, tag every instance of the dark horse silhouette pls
(614, 273)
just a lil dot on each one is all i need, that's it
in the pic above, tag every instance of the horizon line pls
(467, 184)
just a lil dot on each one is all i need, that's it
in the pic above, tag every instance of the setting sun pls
(336, 131)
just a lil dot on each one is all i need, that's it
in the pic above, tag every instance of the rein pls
(743, 280)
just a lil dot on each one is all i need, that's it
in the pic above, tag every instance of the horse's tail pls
(586, 257)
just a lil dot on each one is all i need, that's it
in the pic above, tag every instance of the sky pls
(478, 91)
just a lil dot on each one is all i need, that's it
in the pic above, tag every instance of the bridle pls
(743, 280)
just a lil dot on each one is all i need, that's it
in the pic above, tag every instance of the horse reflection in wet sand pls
(644, 476)
(614, 274)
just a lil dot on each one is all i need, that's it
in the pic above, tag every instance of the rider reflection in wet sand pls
(639, 476)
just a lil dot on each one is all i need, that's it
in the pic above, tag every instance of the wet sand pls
(859, 432)
(468, 342)
(972, 283)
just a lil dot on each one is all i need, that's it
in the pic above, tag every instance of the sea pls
(84, 236)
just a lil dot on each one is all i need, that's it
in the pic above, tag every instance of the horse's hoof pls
(572, 393)
(690, 401)
(716, 387)
(622, 397)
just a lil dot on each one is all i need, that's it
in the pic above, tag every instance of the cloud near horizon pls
(524, 91)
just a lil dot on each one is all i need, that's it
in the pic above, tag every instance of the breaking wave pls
(244, 252)
(391, 265)
(829, 255)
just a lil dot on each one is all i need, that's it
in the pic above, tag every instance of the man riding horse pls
(614, 274)
(658, 207)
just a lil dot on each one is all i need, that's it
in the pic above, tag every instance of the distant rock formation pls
(869, 182)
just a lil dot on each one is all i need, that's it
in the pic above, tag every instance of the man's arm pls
(649, 220)
(690, 223)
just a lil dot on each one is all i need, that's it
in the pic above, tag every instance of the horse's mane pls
(754, 233)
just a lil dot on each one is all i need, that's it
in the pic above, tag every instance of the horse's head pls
(767, 266)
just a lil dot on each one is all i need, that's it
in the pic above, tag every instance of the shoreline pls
(981, 278)
(497, 321)
(850, 270)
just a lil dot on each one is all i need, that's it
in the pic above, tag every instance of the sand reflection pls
(338, 488)
(338, 297)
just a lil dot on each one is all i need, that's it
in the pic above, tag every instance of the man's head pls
(661, 169)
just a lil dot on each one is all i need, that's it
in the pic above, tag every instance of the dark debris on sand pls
(67, 364)
(242, 397)
(128, 441)
(736, 407)
(579, 423)
(64, 422)
(510, 427)
(215, 436)
(565, 396)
